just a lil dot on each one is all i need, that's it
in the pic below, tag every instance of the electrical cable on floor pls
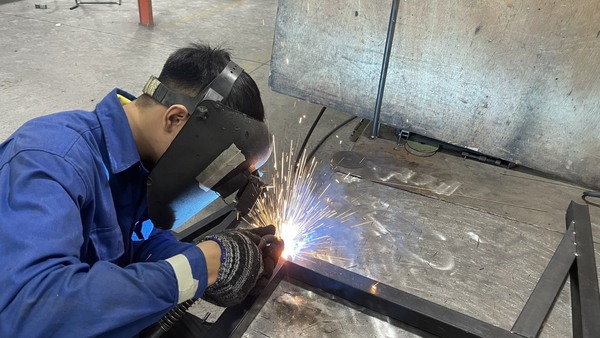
(591, 194)
(310, 131)
(312, 153)
(586, 194)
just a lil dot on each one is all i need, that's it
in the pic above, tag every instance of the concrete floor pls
(58, 59)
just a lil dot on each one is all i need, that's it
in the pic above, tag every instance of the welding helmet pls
(213, 155)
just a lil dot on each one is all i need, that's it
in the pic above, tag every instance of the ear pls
(175, 117)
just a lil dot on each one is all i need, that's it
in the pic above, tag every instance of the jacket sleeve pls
(46, 289)
(161, 244)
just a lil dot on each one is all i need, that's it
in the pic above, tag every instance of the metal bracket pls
(574, 256)
(403, 134)
(402, 138)
(359, 130)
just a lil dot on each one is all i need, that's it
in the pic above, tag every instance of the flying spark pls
(296, 205)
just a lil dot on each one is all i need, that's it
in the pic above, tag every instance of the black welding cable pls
(312, 128)
(586, 194)
(591, 194)
(157, 329)
(312, 153)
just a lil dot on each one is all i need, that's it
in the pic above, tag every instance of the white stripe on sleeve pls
(185, 280)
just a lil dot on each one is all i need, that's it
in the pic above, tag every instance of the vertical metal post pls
(145, 9)
(384, 67)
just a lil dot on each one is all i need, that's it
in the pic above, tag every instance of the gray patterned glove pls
(271, 248)
(241, 267)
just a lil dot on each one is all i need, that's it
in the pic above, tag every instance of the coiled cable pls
(168, 320)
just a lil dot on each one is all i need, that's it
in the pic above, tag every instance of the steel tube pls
(391, 302)
(549, 285)
(586, 297)
(384, 67)
(235, 320)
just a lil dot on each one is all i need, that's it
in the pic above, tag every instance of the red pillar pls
(145, 8)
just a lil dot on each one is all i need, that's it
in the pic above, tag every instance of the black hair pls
(190, 69)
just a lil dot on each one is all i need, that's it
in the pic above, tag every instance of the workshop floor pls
(467, 235)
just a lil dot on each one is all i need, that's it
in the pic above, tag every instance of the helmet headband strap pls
(217, 90)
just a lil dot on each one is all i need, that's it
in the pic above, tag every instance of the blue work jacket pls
(72, 196)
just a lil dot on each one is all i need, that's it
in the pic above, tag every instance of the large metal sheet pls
(480, 259)
(517, 80)
(481, 265)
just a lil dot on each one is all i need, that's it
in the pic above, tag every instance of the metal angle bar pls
(575, 302)
(391, 302)
(235, 320)
(549, 285)
(220, 219)
(359, 130)
(587, 276)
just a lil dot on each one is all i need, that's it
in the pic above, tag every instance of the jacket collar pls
(120, 145)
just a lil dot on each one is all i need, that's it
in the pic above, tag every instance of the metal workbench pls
(471, 237)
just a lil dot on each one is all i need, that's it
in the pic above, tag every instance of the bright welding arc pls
(293, 204)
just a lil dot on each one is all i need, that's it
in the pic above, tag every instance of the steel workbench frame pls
(573, 258)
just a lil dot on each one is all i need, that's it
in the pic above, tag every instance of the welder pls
(88, 201)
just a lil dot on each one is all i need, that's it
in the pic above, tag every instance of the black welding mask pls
(214, 155)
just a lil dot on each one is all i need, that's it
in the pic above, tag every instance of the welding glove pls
(271, 248)
(243, 270)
